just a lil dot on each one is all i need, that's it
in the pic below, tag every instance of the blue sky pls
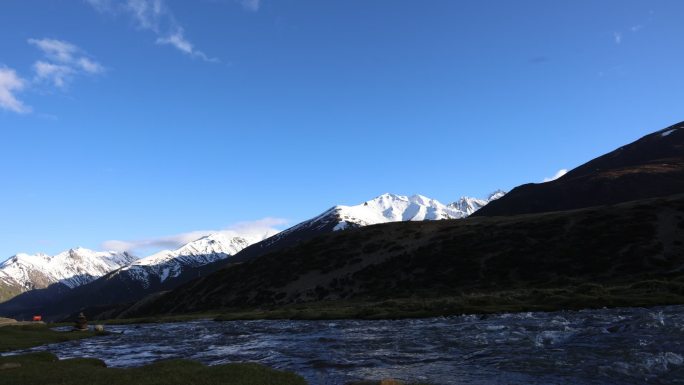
(145, 119)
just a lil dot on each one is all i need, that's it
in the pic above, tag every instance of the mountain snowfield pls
(382, 209)
(398, 208)
(72, 268)
(208, 249)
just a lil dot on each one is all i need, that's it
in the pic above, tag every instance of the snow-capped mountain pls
(382, 209)
(208, 249)
(469, 205)
(128, 280)
(392, 208)
(136, 279)
(71, 268)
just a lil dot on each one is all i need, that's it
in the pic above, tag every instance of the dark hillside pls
(620, 244)
(653, 166)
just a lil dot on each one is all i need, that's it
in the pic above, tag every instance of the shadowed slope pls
(613, 244)
(652, 166)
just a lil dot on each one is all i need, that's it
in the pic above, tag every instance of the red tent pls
(37, 318)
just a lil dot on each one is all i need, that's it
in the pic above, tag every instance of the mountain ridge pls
(71, 268)
(651, 166)
(167, 269)
(614, 220)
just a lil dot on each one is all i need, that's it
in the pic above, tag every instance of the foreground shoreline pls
(534, 336)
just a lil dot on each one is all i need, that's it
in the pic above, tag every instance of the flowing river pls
(608, 346)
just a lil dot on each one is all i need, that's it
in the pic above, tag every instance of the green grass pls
(158, 319)
(26, 336)
(645, 293)
(46, 369)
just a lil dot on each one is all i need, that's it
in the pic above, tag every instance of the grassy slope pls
(625, 255)
(45, 369)
(644, 293)
(8, 292)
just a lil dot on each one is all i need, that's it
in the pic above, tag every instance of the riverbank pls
(573, 296)
(24, 336)
(45, 369)
(647, 293)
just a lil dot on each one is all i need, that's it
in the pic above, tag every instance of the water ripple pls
(608, 346)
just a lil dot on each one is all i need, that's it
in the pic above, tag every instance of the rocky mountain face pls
(652, 166)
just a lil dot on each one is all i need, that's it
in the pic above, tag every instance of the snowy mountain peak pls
(205, 250)
(73, 267)
(468, 205)
(381, 209)
(496, 195)
(394, 208)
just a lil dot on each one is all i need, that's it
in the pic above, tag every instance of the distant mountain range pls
(125, 279)
(69, 269)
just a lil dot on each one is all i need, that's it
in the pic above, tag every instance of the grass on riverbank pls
(46, 369)
(645, 293)
(15, 337)
(158, 319)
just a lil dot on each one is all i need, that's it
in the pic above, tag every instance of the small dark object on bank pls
(81, 323)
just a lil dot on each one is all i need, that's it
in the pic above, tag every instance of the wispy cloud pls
(10, 85)
(154, 16)
(178, 40)
(56, 50)
(617, 36)
(251, 5)
(62, 61)
(259, 228)
(558, 174)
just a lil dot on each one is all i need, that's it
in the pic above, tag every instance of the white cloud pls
(258, 228)
(617, 36)
(10, 84)
(558, 174)
(62, 61)
(100, 5)
(155, 16)
(55, 73)
(148, 13)
(90, 66)
(178, 40)
(57, 50)
(251, 5)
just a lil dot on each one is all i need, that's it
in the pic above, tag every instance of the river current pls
(607, 346)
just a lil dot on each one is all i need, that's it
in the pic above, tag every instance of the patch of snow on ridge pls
(668, 132)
